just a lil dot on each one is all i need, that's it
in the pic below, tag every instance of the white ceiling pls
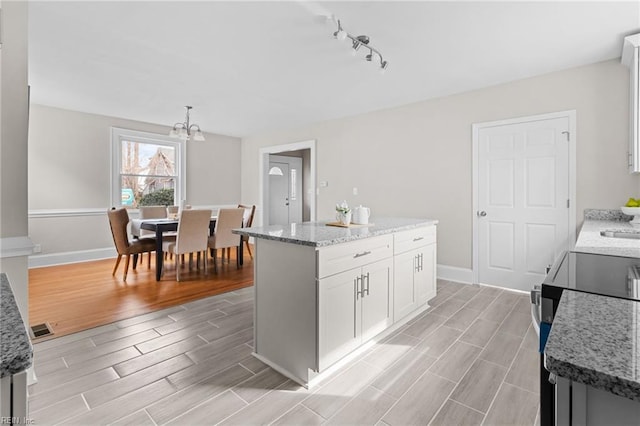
(249, 67)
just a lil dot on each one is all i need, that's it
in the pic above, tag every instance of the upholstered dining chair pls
(172, 210)
(247, 220)
(192, 235)
(118, 220)
(228, 219)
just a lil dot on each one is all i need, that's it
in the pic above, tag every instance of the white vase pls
(344, 218)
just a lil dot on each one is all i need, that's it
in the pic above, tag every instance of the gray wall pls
(14, 107)
(415, 160)
(70, 176)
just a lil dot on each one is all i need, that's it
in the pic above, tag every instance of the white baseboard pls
(453, 273)
(16, 246)
(37, 261)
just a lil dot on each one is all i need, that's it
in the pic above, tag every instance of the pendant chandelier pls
(186, 130)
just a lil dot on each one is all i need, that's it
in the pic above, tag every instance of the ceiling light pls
(184, 130)
(362, 40)
(340, 34)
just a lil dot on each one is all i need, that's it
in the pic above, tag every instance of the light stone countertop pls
(590, 240)
(595, 340)
(16, 352)
(318, 234)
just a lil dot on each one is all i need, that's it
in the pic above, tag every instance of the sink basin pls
(621, 233)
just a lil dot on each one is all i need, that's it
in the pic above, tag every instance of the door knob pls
(481, 213)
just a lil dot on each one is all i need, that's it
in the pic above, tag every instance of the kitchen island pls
(323, 294)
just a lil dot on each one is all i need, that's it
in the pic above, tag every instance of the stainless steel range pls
(613, 276)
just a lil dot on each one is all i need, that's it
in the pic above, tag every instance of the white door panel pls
(523, 189)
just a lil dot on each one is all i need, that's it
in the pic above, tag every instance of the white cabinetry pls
(414, 269)
(580, 405)
(631, 58)
(355, 305)
(355, 295)
(317, 307)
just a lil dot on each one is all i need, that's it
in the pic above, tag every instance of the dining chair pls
(228, 219)
(247, 220)
(118, 220)
(192, 235)
(149, 212)
(172, 210)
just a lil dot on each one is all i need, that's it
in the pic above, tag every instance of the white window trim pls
(118, 134)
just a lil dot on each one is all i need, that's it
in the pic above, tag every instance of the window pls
(147, 169)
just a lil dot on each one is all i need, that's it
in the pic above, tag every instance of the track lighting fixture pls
(360, 41)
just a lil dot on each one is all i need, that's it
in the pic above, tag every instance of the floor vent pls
(41, 330)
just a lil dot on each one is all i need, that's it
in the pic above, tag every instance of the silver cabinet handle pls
(356, 282)
(364, 253)
(367, 289)
(481, 213)
(416, 263)
(418, 239)
(421, 261)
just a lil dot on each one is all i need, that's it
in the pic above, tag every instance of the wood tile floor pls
(470, 359)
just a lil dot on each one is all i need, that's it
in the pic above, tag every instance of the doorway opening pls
(287, 175)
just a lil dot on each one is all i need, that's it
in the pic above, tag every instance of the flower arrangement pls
(343, 208)
(343, 213)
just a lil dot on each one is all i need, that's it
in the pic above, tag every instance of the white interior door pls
(522, 201)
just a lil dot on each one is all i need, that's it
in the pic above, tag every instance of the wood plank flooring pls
(80, 296)
(470, 359)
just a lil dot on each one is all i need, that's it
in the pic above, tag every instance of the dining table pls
(160, 227)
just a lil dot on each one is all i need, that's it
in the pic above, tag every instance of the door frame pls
(476, 127)
(263, 167)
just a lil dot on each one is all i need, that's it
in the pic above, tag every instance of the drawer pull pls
(418, 239)
(364, 253)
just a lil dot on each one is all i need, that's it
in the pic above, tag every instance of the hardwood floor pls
(470, 359)
(79, 296)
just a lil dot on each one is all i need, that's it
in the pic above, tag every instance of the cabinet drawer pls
(413, 238)
(342, 257)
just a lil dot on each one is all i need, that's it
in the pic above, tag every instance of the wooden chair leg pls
(135, 261)
(148, 260)
(115, 268)
(248, 248)
(126, 267)
(238, 248)
(204, 259)
(215, 260)
(177, 263)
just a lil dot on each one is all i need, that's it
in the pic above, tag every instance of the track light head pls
(340, 34)
(363, 39)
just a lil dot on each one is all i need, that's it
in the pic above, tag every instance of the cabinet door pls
(404, 292)
(339, 316)
(425, 275)
(377, 298)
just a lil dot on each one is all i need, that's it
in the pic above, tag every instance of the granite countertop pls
(590, 240)
(318, 234)
(595, 340)
(16, 352)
